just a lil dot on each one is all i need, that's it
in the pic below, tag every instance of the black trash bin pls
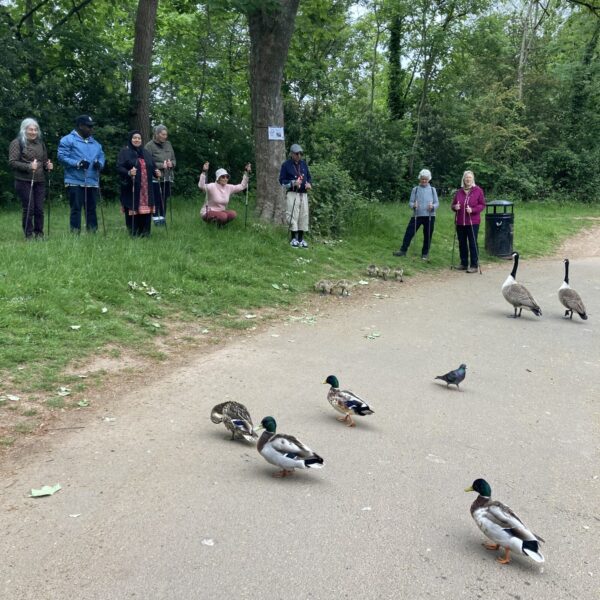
(499, 225)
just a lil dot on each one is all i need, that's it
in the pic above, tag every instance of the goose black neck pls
(515, 266)
(567, 271)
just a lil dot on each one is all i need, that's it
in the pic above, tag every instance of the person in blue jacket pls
(83, 159)
(295, 178)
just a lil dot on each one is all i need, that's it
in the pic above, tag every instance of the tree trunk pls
(271, 28)
(139, 111)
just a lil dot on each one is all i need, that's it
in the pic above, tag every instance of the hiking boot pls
(294, 243)
(461, 268)
(473, 270)
(425, 257)
(399, 253)
(303, 244)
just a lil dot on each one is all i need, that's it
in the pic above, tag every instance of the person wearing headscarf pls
(468, 204)
(136, 169)
(83, 159)
(163, 156)
(424, 202)
(295, 177)
(28, 159)
(217, 195)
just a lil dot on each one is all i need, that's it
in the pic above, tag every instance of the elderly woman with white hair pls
(28, 159)
(217, 195)
(424, 202)
(163, 155)
(468, 204)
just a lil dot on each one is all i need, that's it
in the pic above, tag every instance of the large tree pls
(145, 23)
(271, 24)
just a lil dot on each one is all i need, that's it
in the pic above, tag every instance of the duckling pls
(285, 451)
(236, 418)
(385, 272)
(569, 298)
(324, 286)
(344, 286)
(398, 274)
(517, 294)
(346, 402)
(372, 270)
(499, 523)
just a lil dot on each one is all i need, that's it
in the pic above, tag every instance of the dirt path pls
(157, 503)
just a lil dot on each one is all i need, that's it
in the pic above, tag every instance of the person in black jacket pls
(136, 168)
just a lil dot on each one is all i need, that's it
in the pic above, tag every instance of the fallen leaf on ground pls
(47, 490)
(12, 398)
(373, 335)
(75, 327)
(83, 403)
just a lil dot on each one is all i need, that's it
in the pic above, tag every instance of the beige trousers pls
(296, 211)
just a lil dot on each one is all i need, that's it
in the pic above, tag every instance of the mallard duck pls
(324, 286)
(517, 294)
(499, 523)
(346, 402)
(569, 298)
(455, 377)
(236, 418)
(372, 270)
(285, 451)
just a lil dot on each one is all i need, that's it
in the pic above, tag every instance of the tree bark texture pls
(271, 26)
(139, 112)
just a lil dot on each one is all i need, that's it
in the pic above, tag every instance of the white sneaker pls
(303, 244)
(294, 243)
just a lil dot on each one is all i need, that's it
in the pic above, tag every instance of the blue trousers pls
(83, 199)
(428, 224)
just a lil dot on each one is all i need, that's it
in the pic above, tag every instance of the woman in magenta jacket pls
(468, 204)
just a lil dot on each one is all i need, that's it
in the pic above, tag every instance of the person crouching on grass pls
(217, 195)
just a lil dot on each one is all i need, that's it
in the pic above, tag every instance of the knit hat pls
(220, 173)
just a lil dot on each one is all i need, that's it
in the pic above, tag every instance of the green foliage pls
(335, 205)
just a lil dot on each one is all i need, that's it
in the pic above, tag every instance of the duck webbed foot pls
(283, 473)
(491, 546)
(506, 559)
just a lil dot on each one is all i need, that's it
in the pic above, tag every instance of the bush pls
(335, 205)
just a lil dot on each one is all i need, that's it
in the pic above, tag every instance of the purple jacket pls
(475, 199)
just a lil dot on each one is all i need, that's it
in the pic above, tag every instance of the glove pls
(97, 165)
(83, 164)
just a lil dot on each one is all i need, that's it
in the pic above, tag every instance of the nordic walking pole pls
(162, 205)
(133, 204)
(101, 208)
(475, 243)
(48, 202)
(164, 196)
(30, 197)
(429, 232)
(85, 198)
(453, 242)
(246, 207)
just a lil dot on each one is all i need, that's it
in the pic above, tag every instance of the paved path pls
(387, 517)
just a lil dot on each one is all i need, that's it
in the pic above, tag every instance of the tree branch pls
(592, 5)
(62, 21)
(28, 14)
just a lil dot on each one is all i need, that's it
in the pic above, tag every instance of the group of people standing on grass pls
(146, 175)
(468, 204)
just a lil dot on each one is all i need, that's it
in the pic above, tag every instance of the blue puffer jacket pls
(72, 149)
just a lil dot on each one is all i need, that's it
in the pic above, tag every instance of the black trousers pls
(138, 225)
(467, 244)
(428, 224)
(32, 202)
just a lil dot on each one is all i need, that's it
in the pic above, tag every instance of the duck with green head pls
(285, 451)
(499, 523)
(346, 402)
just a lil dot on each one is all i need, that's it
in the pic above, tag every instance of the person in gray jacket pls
(424, 202)
(163, 156)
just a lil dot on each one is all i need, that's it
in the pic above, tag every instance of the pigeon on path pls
(454, 377)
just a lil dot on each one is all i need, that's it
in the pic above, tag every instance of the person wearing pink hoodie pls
(218, 193)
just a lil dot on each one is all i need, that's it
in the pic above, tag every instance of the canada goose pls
(517, 294)
(398, 274)
(372, 270)
(324, 286)
(385, 272)
(344, 286)
(569, 298)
